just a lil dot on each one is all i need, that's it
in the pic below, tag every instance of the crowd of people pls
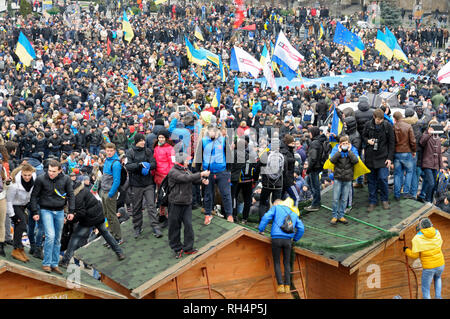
(74, 140)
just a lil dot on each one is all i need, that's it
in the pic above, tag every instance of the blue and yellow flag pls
(216, 100)
(194, 55)
(198, 33)
(132, 89)
(321, 31)
(180, 78)
(126, 27)
(222, 69)
(336, 128)
(24, 50)
(357, 53)
(397, 51)
(383, 45)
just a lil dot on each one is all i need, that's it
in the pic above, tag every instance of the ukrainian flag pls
(216, 100)
(336, 128)
(397, 51)
(357, 52)
(382, 45)
(321, 31)
(24, 50)
(195, 56)
(198, 33)
(274, 64)
(132, 89)
(262, 60)
(126, 27)
(211, 57)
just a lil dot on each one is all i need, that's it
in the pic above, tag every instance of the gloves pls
(405, 248)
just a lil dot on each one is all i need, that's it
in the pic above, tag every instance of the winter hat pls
(425, 223)
(138, 137)
(409, 112)
(314, 130)
(159, 121)
(164, 133)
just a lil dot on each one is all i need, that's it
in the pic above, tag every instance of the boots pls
(32, 249)
(38, 253)
(16, 254)
(2, 249)
(22, 251)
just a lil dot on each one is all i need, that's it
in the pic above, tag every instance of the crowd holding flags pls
(198, 33)
(286, 56)
(126, 26)
(242, 61)
(132, 89)
(216, 100)
(352, 43)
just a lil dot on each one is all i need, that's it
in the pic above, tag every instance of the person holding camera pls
(379, 140)
(427, 245)
(431, 161)
(344, 160)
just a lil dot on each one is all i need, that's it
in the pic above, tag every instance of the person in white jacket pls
(17, 198)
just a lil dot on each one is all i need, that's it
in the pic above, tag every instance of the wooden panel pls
(15, 286)
(327, 282)
(240, 270)
(393, 273)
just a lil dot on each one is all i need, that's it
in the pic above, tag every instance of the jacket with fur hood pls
(16, 193)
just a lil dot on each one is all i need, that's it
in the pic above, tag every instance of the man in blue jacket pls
(109, 187)
(282, 241)
(214, 159)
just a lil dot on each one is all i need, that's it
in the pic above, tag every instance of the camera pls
(437, 129)
(181, 108)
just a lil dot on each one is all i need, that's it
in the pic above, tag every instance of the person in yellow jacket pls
(427, 245)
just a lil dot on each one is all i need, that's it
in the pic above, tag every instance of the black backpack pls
(163, 193)
(288, 225)
(326, 151)
(123, 172)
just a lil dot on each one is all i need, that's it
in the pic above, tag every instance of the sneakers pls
(63, 264)
(208, 219)
(120, 256)
(38, 253)
(343, 220)
(230, 219)
(287, 289)
(191, 252)
(385, 205)
(333, 221)
(357, 185)
(157, 233)
(179, 254)
(281, 289)
(137, 232)
(371, 207)
(244, 222)
(312, 208)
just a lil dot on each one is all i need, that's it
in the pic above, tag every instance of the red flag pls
(108, 47)
(239, 15)
(251, 27)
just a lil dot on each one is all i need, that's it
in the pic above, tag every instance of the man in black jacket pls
(180, 204)
(315, 166)
(140, 163)
(379, 140)
(88, 213)
(51, 192)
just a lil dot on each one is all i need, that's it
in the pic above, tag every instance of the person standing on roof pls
(427, 245)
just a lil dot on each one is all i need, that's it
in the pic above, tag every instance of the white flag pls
(444, 74)
(242, 61)
(286, 52)
(268, 72)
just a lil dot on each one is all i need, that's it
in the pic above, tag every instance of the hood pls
(114, 157)
(411, 120)
(363, 106)
(289, 202)
(427, 239)
(351, 124)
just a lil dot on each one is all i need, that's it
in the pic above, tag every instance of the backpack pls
(123, 172)
(288, 225)
(163, 193)
(326, 151)
(275, 165)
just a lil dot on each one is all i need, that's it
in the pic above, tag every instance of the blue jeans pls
(80, 233)
(94, 150)
(53, 222)
(428, 275)
(35, 231)
(429, 184)
(377, 179)
(314, 186)
(403, 163)
(341, 192)
(223, 180)
(417, 171)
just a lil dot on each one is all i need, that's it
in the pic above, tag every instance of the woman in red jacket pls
(164, 155)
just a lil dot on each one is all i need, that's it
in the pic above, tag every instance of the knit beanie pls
(138, 137)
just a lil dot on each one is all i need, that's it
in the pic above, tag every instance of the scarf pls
(27, 185)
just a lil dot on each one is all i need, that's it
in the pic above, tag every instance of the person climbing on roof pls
(282, 241)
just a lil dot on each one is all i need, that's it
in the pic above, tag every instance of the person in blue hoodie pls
(282, 241)
(109, 187)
